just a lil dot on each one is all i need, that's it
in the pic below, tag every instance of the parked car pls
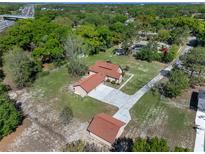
(119, 52)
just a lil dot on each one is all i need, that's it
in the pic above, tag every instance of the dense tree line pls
(124, 144)
(154, 144)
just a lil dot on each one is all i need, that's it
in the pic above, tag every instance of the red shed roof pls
(106, 68)
(91, 82)
(105, 127)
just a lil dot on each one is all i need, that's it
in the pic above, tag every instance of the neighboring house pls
(200, 123)
(113, 72)
(98, 73)
(85, 85)
(106, 128)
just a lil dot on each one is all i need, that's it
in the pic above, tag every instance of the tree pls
(148, 53)
(125, 46)
(20, 66)
(163, 35)
(180, 149)
(105, 36)
(92, 42)
(150, 145)
(178, 81)
(140, 145)
(122, 145)
(76, 67)
(73, 46)
(194, 61)
(10, 117)
(157, 145)
(170, 55)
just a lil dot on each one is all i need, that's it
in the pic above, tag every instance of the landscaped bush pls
(113, 82)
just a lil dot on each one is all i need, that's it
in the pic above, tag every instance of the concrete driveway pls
(109, 95)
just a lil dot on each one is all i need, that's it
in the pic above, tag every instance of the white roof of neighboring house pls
(200, 123)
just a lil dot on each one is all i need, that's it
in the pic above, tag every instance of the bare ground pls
(45, 131)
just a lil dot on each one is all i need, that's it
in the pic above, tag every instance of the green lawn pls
(159, 117)
(54, 88)
(143, 71)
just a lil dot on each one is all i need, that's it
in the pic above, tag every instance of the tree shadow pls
(194, 101)
(165, 73)
(122, 144)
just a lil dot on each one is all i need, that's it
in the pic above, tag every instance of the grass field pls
(143, 71)
(156, 116)
(55, 87)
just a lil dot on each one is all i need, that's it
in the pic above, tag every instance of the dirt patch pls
(9, 139)
(46, 131)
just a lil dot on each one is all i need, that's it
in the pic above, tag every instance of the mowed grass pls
(54, 88)
(143, 71)
(161, 118)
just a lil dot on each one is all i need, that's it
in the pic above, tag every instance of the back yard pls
(154, 115)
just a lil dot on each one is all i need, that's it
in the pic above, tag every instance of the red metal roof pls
(107, 65)
(105, 127)
(91, 82)
(106, 68)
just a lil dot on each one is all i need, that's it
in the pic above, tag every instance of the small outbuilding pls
(106, 128)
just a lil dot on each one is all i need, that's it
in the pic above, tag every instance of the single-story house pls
(112, 72)
(85, 85)
(98, 73)
(106, 128)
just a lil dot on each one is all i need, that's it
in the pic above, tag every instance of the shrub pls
(180, 149)
(66, 115)
(76, 68)
(113, 82)
(10, 117)
(126, 68)
(42, 74)
(81, 146)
